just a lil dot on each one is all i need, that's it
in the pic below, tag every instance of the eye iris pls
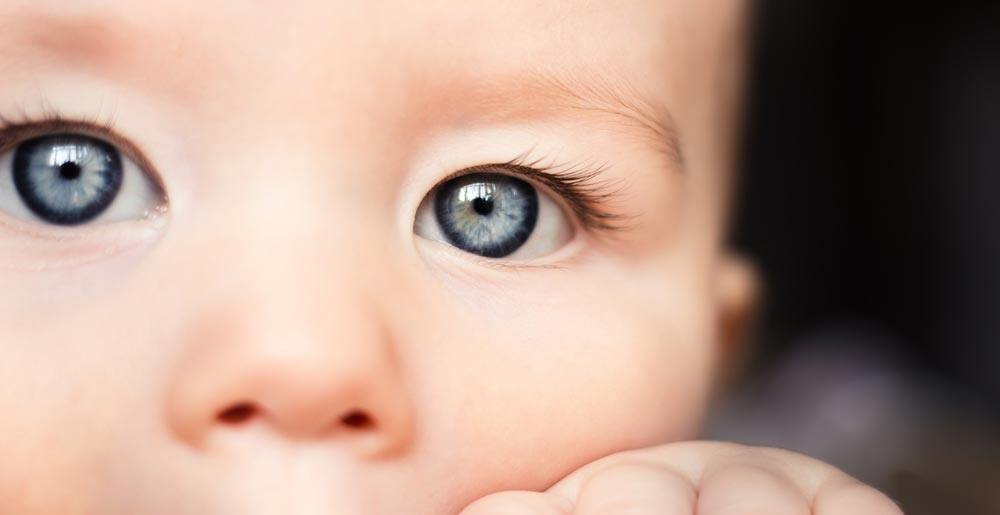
(488, 214)
(67, 179)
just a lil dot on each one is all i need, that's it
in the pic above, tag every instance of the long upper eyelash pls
(582, 187)
(12, 130)
(25, 127)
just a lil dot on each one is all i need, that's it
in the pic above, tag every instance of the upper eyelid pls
(15, 133)
(579, 187)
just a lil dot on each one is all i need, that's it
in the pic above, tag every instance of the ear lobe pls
(738, 297)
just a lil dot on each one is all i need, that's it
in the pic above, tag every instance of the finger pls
(518, 502)
(636, 489)
(683, 458)
(689, 459)
(851, 496)
(697, 461)
(750, 490)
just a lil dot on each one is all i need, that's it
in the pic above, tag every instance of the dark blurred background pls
(871, 202)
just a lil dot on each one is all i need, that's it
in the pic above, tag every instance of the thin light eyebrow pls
(619, 98)
(108, 45)
(81, 38)
(592, 94)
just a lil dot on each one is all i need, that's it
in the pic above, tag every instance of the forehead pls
(351, 42)
(359, 23)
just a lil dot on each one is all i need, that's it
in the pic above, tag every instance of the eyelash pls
(580, 186)
(14, 132)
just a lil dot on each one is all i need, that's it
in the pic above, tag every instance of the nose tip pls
(356, 427)
(342, 388)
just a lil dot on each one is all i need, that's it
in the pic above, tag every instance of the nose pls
(302, 353)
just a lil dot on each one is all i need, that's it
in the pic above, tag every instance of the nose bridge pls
(296, 257)
(291, 330)
(299, 236)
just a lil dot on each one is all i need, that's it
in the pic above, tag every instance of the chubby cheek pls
(557, 371)
(63, 402)
(537, 374)
(83, 380)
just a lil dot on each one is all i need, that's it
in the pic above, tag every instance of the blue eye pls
(494, 215)
(74, 179)
(487, 214)
(67, 179)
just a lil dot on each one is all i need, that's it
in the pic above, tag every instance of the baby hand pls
(703, 478)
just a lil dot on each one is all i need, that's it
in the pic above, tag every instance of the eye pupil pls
(482, 206)
(69, 171)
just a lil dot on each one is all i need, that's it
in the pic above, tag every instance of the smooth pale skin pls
(296, 140)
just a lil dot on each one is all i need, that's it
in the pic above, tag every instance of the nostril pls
(241, 413)
(357, 419)
(238, 413)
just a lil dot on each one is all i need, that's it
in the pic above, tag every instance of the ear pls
(738, 295)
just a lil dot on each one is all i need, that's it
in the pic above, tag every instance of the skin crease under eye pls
(288, 277)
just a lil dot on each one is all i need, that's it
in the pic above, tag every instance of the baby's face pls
(350, 256)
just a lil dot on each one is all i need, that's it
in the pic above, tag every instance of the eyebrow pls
(105, 44)
(83, 36)
(601, 95)
(93, 40)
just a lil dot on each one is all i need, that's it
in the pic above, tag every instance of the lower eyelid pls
(468, 274)
(25, 246)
